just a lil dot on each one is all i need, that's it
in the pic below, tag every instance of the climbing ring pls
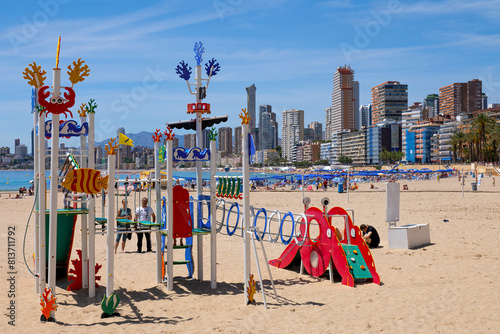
(297, 231)
(275, 212)
(219, 201)
(237, 219)
(265, 224)
(288, 214)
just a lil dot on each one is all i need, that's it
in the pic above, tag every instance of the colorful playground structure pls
(347, 254)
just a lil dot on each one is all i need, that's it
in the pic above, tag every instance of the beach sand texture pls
(450, 286)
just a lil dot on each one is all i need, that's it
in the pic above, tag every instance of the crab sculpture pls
(57, 104)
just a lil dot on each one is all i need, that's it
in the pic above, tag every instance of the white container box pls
(409, 236)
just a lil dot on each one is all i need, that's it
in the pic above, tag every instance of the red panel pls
(183, 226)
(286, 257)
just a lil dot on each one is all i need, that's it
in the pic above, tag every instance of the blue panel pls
(191, 154)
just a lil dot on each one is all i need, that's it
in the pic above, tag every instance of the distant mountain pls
(144, 139)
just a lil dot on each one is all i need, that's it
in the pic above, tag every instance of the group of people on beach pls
(143, 213)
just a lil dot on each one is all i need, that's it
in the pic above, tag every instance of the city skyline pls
(132, 51)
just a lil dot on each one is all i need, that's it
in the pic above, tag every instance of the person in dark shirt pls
(370, 235)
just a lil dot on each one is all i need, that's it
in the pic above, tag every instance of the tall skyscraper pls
(17, 142)
(365, 112)
(318, 130)
(343, 100)
(292, 130)
(389, 99)
(357, 116)
(225, 141)
(460, 98)
(238, 140)
(484, 102)
(268, 128)
(431, 103)
(328, 123)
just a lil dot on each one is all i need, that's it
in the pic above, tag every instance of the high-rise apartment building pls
(308, 134)
(357, 116)
(17, 142)
(431, 103)
(225, 141)
(460, 98)
(389, 99)
(318, 130)
(343, 101)
(268, 128)
(238, 140)
(328, 123)
(365, 112)
(292, 130)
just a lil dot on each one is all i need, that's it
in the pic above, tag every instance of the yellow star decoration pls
(35, 76)
(78, 72)
(82, 111)
(245, 119)
(251, 289)
(111, 146)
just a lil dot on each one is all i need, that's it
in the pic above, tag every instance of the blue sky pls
(289, 49)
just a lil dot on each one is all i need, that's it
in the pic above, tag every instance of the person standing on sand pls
(370, 235)
(493, 182)
(144, 213)
(123, 213)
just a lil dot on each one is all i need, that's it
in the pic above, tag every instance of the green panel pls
(200, 231)
(356, 260)
(65, 229)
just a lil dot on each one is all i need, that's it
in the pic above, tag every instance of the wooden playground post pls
(91, 231)
(54, 162)
(213, 215)
(170, 217)
(110, 254)
(246, 207)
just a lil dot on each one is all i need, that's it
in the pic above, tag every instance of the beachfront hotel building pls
(384, 135)
(292, 130)
(343, 110)
(419, 140)
(460, 98)
(389, 99)
(409, 118)
(354, 146)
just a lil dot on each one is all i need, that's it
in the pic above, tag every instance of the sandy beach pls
(450, 286)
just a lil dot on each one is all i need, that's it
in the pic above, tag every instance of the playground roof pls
(191, 124)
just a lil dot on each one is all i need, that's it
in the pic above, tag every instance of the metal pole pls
(35, 188)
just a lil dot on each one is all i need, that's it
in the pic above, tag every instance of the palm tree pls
(494, 139)
(483, 124)
(454, 145)
(461, 138)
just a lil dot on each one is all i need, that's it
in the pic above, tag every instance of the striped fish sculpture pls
(85, 180)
